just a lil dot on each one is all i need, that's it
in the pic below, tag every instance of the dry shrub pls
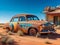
(20, 33)
(6, 40)
(10, 33)
(38, 34)
(10, 41)
(47, 42)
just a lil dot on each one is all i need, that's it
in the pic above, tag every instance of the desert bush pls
(47, 42)
(10, 41)
(10, 33)
(38, 34)
(4, 39)
(20, 33)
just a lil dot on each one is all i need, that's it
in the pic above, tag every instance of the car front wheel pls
(32, 32)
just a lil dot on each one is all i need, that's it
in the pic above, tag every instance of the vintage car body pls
(29, 24)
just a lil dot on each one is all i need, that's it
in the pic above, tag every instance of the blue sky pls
(9, 8)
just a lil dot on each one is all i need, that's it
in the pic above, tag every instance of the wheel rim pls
(33, 32)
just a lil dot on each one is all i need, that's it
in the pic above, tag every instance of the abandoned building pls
(53, 14)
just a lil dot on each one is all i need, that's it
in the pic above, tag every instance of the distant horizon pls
(10, 8)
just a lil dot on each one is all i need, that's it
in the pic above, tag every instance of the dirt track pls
(30, 40)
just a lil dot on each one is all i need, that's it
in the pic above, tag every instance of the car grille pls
(47, 28)
(52, 30)
(44, 30)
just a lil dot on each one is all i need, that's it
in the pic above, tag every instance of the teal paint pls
(11, 25)
(24, 25)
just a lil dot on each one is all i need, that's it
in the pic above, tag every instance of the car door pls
(22, 23)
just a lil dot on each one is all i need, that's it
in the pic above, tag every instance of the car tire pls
(32, 32)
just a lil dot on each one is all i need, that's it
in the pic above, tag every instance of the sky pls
(9, 8)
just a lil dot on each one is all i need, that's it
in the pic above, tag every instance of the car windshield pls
(32, 18)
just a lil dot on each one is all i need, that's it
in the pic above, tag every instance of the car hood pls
(38, 22)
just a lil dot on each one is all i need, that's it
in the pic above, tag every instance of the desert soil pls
(30, 40)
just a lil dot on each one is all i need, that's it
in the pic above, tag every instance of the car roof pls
(22, 15)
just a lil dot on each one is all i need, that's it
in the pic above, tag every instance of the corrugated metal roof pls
(56, 11)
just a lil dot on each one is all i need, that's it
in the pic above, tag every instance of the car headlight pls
(43, 25)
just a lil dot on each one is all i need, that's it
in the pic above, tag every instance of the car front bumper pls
(47, 31)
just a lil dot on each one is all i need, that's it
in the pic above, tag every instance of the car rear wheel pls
(32, 32)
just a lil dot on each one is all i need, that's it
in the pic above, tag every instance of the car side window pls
(15, 20)
(22, 18)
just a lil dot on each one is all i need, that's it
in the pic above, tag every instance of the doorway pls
(55, 20)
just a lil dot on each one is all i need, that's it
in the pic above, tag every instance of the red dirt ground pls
(30, 40)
